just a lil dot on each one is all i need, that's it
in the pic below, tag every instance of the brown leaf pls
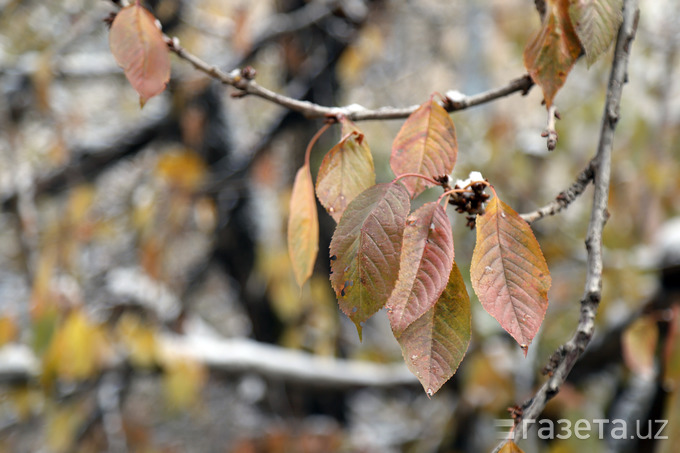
(508, 272)
(552, 52)
(138, 46)
(425, 265)
(596, 23)
(345, 172)
(365, 250)
(435, 344)
(303, 226)
(426, 144)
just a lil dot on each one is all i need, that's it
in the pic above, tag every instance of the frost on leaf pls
(366, 248)
(435, 344)
(425, 265)
(303, 226)
(345, 172)
(508, 272)
(138, 46)
(596, 23)
(426, 144)
(552, 52)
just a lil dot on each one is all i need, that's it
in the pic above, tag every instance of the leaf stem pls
(314, 139)
(417, 175)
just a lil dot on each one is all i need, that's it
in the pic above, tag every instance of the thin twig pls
(566, 356)
(550, 130)
(565, 198)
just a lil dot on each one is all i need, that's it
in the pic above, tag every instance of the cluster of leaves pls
(570, 28)
(384, 256)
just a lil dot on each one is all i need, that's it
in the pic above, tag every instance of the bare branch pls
(565, 198)
(238, 355)
(564, 358)
(240, 80)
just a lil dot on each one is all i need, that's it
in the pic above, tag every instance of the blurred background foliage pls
(124, 232)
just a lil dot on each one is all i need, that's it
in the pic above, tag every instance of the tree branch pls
(565, 198)
(243, 80)
(564, 358)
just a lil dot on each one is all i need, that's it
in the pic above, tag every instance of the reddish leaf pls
(435, 344)
(138, 46)
(596, 23)
(365, 250)
(303, 226)
(425, 265)
(552, 52)
(508, 272)
(639, 345)
(345, 172)
(426, 144)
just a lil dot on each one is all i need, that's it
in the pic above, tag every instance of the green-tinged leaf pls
(435, 344)
(508, 272)
(552, 52)
(345, 172)
(596, 23)
(303, 226)
(365, 250)
(138, 46)
(639, 345)
(425, 265)
(510, 447)
(426, 144)
(671, 352)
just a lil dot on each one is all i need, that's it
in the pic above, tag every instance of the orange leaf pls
(426, 144)
(345, 172)
(508, 272)
(639, 345)
(365, 250)
(424, 268)
(596, 23)
(303, 226)
(552, 52)
(138, 46)
(510, 447)
(435, 344)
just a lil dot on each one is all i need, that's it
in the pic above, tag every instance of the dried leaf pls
(508, 272)
(510, 447)
(365, 250)
(426, 144)
(138, 46)
(639, 346)
(596, 23)
(435, 344)
(303, 226)
(552, 52)
(345, 172)
(425, 265)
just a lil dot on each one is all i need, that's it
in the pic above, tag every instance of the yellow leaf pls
(182, 382)
(139, 340)
(303, 226)
(8, 329)
(77, 350)
(181, 169)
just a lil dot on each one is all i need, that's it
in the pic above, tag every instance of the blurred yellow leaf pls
(510, 447)
(357, 56)
(139, 339)
(62, 424)
(77, 350)
(181, 169)
(8, 329)
(639, 345)
(183, 380)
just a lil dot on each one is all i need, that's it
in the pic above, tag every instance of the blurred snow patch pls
(132, 283)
